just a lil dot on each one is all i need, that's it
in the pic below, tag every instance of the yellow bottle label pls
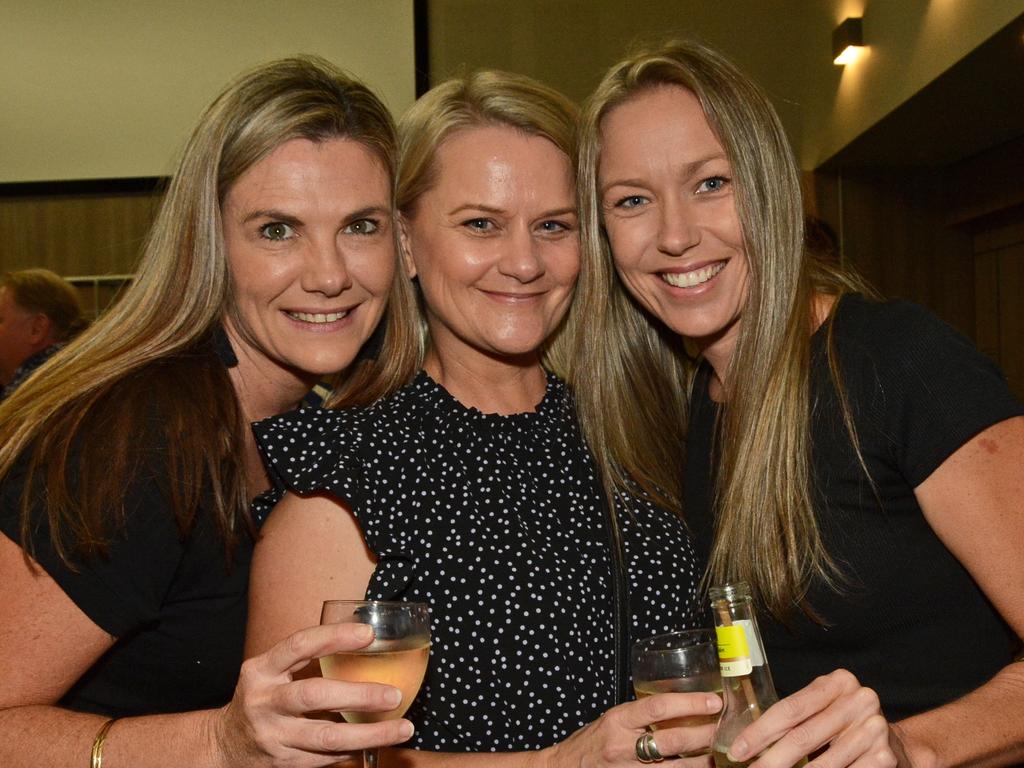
(733, 651)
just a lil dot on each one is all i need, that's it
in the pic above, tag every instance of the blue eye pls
(713, 184)
(633, 201)
(480, 225)
(277, 230)
(362, 227)
(554, 226)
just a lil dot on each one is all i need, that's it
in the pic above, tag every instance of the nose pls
(677, 231)
(520, 258)
(325, 270)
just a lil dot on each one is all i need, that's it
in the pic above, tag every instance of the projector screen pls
(109, 89)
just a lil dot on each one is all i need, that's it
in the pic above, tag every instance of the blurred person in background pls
(39, 313)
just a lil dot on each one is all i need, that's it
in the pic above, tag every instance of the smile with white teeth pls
(319, 317)
(696, 277)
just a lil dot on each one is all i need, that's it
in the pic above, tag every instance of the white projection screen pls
(108, 89)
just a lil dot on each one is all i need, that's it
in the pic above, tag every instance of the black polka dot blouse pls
(497, 523)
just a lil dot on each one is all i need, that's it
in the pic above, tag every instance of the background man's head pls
(37, 309)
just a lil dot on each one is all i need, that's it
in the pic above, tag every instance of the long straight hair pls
(147, 370)
(633, 376)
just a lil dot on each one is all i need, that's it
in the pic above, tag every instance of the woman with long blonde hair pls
(471, 488)
(127, 466)
(855, 461)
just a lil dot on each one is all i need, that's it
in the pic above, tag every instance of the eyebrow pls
(560, 212)
(270, 213)
(287, 218)
(689, 169)
(492, 209)
(475, 207)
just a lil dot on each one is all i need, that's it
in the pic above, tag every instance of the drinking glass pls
(678, 662)
(397, 656)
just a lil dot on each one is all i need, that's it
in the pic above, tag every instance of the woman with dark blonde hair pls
(855, 461)
(471, 488)
(127, 466)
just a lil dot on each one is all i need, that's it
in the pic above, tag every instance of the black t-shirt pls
(910, 622)
(178, 612)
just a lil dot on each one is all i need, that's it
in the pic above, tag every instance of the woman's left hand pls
(834, 714)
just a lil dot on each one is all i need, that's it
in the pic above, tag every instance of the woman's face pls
(310, 248)
(495, 243)
(667, 199)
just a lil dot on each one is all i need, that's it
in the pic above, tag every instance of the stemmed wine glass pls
(678, 662)
(397, 656)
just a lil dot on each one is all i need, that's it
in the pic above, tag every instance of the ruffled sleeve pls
(312, 450)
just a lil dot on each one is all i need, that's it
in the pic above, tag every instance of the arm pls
(973, 502)
(40, 624)
(310, 550)
(286, 592)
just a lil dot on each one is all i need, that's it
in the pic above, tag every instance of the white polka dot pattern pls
(496, 522)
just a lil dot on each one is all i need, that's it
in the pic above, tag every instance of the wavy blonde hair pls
(632, 375)
(150, 359)
(481, 98)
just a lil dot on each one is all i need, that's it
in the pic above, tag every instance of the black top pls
(911, 623)
(496, 522)
(177, 611)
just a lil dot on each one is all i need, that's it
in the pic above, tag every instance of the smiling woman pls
(311, 251)
(471, 488)
(127, 465)
(854, 460)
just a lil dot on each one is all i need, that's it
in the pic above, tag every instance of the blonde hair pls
(632, 375)
(482, 98)
(44, 292)
(152, 353)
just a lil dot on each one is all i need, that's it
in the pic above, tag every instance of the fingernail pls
(363, 632)
(393, 698)
(714, 703)
(405, 730)
(738, 751)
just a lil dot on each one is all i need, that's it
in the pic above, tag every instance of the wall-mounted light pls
(847, 41)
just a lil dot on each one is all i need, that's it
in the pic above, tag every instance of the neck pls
(491, 385)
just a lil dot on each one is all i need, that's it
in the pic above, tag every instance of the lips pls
(319, 318)
(693, 277)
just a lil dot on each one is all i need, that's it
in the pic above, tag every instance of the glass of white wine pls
(397, 656)
(678, 662)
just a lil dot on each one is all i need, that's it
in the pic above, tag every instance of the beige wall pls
(110, 88)
(786, 46)
(911, 43)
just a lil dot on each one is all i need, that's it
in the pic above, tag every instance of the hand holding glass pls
(397, 656)
(677, 662)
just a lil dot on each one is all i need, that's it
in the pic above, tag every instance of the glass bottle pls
(747, 687)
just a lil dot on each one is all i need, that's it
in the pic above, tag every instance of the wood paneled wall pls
(76, 235)
(949, 238)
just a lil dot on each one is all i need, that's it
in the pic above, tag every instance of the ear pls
(405, 244)
(39, 328)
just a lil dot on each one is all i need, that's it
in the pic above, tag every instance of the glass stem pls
(369, 758)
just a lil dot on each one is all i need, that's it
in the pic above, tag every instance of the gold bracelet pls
(98, 742)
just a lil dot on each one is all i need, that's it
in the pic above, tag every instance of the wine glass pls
(397, 656)
(685, 661)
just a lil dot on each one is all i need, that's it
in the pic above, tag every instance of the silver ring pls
(647, 750)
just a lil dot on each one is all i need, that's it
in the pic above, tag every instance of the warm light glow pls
(847, 40)
(849, 54)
